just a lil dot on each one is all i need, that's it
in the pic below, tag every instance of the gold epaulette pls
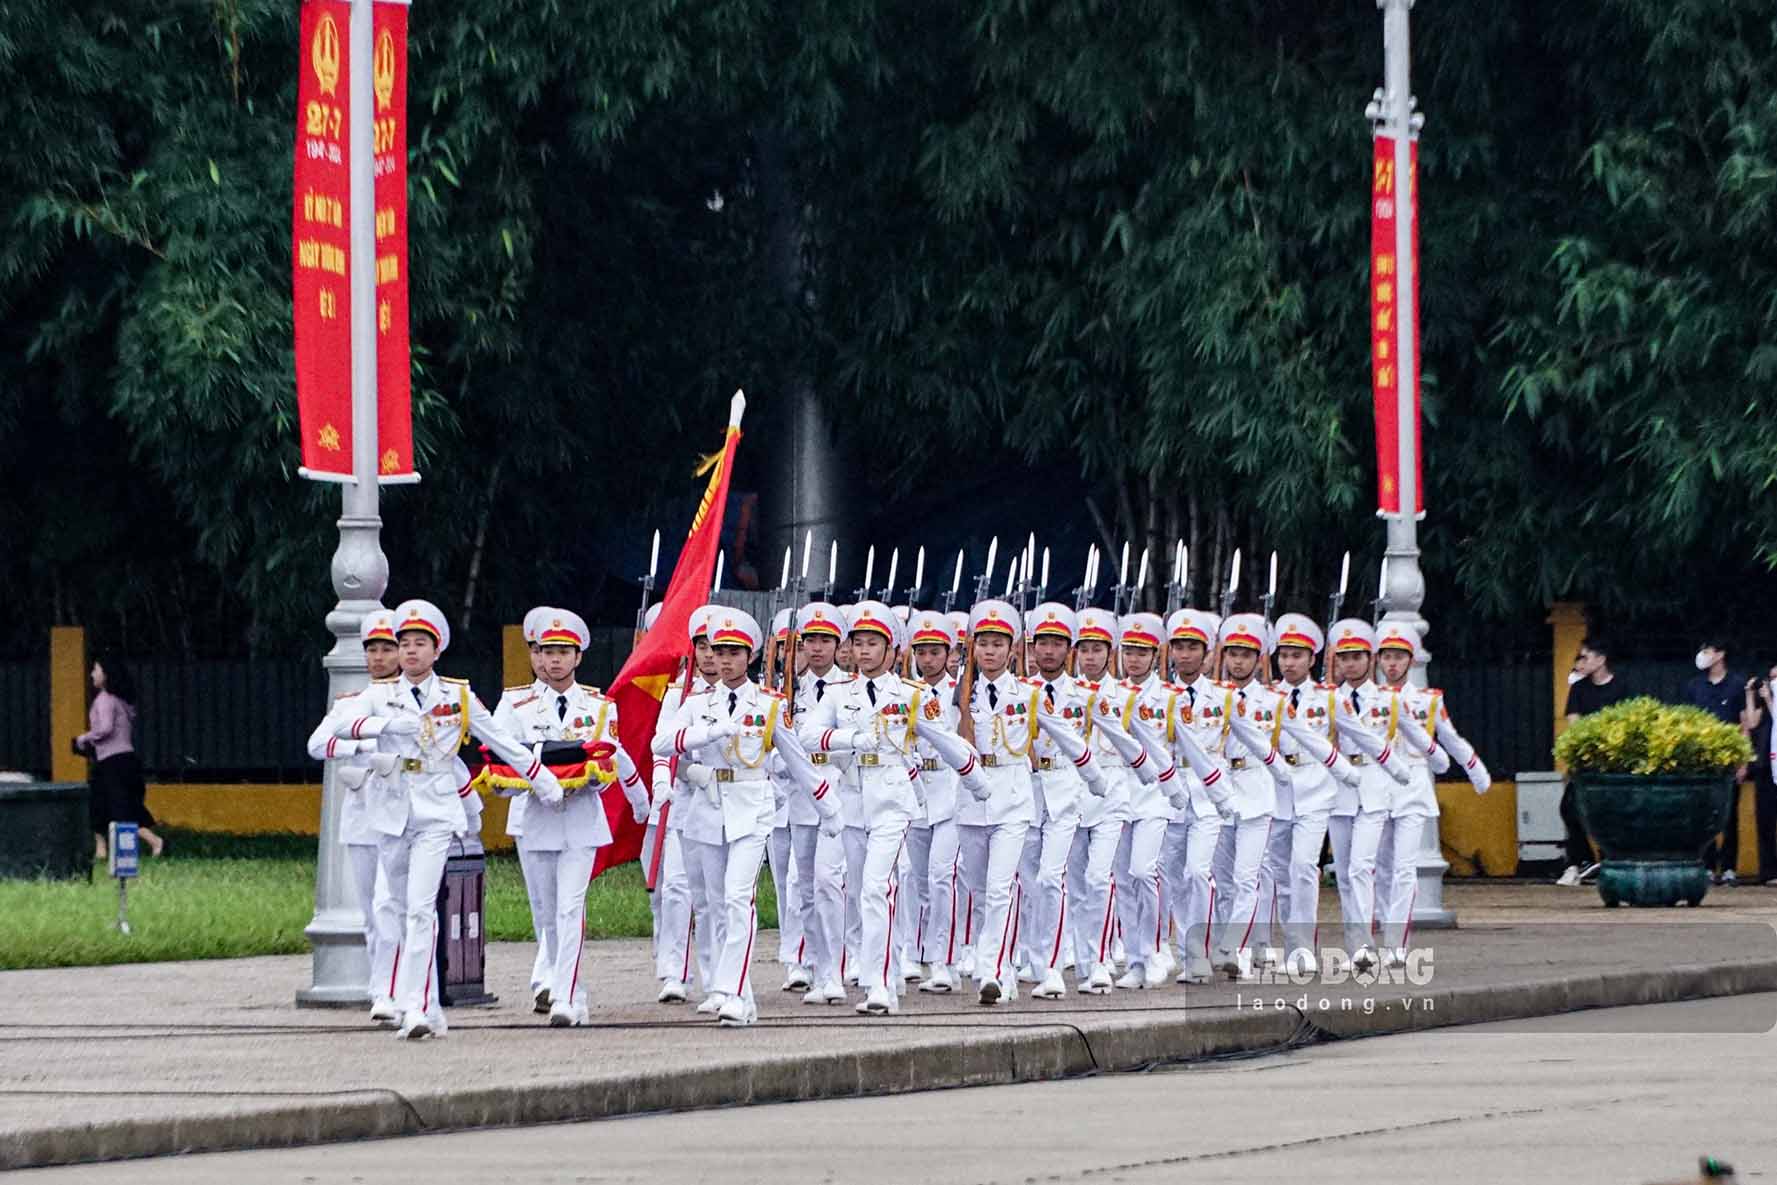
(590, 689)
(772, 692)
(386, 679)
(1326, 687)
(448, 679)
(520, 687)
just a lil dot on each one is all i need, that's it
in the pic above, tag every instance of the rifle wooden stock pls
(965, 696)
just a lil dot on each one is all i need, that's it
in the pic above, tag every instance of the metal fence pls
(248, 720)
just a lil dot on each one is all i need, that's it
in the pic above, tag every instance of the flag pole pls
(340, 969)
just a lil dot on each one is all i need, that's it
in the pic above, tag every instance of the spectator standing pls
(1722, 696)
(1597, 687)
(1757, 722)
(118, 792)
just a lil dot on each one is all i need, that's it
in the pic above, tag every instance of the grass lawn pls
(222, 897)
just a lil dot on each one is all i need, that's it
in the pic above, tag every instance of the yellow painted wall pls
(67, 702)
(260, 809)
(1479, 831)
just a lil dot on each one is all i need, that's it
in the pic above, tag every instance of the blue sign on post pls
(124, 855)
(124, 850)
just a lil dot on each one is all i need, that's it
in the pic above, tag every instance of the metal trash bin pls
(44, 830)
(462, 940)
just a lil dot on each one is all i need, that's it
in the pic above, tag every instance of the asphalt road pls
(1624, 1095)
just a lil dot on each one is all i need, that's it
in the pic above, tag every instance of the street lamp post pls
(1393, 115)
(341, 969)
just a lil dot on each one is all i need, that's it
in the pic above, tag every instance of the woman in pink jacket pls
(118, 794)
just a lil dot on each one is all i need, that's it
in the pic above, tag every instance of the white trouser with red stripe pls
(914, 891)
(1289, 883)
(1397, 876)
(1356, 839)
(872, 858)
(1187, 866)
(783, 882)
(734, 867)
(563, 876)
(414, 863)
(382, 918)
(819, 898)
(539, 889)
(1138, 888)
(670, 903)
(1240, 849)
(989, 854)
(1042, 875)
(706, 871)
(942, 921)
(1090, 860)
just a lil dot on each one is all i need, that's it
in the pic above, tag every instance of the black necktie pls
(561, 707)
(1295, 698)
(1192, 692)
(733, 698)
(993, 698)
(870, 690)
(418, 699)
(1049, 695)
(820, 689)
(1355, 705)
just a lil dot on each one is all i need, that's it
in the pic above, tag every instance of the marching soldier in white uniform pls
(1147, 708)
(932, 848)
(1289, 881)
(558, 843)
(1259, 775)
(420, 720)
(542, 912)
(729, 733)
(1366, 724)
(879, 718)
(820, 858)
(686, 931)
(1091, 890)
(1202, 710)
(382, 912)
(1066, 778)
(791, 948)
(1432, 740)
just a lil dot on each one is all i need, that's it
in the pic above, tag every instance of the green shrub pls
(1645, 736)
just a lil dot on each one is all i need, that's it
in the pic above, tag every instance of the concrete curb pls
(1030, 1050)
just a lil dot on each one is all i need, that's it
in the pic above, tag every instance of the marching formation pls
(977, 801)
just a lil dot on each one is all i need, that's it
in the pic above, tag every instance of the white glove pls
(1226, 810)
(1480, 778)
(695, 774)
(384, 763)
(352, 777)
(546, 787)
(638, 810)
(401, 726)
(663, 783)
(1351, 775)
(865, 742)
(832, 825)
(1100, 788)
(1178, 799)
(981, 788)
(722, 729)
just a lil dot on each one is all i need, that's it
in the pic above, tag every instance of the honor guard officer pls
(879, 718)
(820, 858)
(1090, 886)
(1259, 775)
(420, 720)
(1066, 777)
(790, 947)
(1366, 726)
(542, 913)
(993, 822)
(729, 733)
(1147, 708)
(382, 912)
(1431, 741)
(685, 915)
(1202, 709)
(1289, 881)
(558, 843)
(932, 848)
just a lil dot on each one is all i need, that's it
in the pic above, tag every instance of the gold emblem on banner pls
(324, 54)
(328, 438)
(391, 461)
(383, 73)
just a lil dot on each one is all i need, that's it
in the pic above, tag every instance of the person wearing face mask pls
(1757, 721)
(1597, 687)
(1721, 694)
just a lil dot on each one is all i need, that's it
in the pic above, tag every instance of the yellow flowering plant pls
(1645, 736)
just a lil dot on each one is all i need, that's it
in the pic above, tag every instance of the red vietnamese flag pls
(643, 683)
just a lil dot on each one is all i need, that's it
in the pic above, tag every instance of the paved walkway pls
(100, 1063)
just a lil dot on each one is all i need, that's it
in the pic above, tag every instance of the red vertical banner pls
(1387, 195)
(394, 365)
(320, 242)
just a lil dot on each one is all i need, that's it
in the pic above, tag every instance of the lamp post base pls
(341, 968)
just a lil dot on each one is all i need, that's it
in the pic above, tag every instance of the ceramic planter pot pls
(1651, 830)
